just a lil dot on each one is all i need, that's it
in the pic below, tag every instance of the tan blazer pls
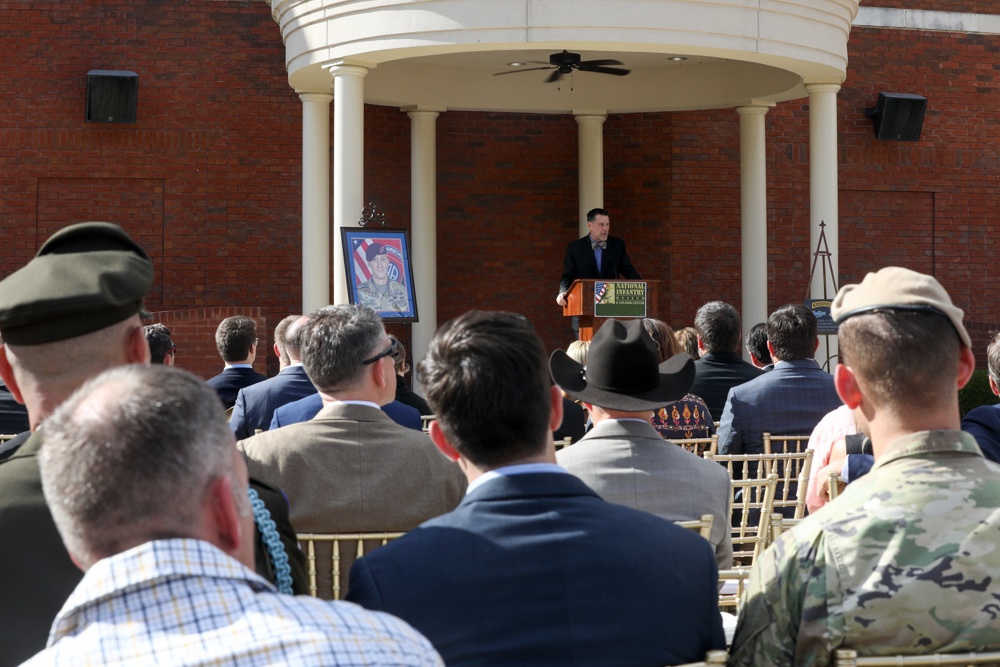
(351, 468)
(628, 463)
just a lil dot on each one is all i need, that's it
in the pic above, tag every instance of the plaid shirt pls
(184, 602)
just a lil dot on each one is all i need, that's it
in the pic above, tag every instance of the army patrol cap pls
(85, 277)
(896, 288)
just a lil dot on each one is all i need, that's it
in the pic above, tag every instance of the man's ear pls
(137, 349)
(441, 441)
(7, 373)
(846, 384)
(701, 346)
(994, 388)
(556, 397)
(225, 522)
(966, 364)
(770, 348)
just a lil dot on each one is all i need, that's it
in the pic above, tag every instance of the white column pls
(348, 163)
(823, 195)
(315, 200)
(753, 214)
(823, 182)
(590, 128)
(423, 228)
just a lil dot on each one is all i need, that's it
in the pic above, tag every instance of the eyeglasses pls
(386, 353)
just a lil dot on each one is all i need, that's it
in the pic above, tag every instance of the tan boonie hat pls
(85, 277)
(896, 288)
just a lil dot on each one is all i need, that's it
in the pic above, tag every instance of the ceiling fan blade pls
(555, 76)
(592, 63)
(518, 71)
(605, 70)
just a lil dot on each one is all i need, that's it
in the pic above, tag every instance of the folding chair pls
(753, 503)
(699, 446)
(775, 444)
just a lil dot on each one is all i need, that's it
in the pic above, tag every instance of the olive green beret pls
(896, 288)
(84, 278)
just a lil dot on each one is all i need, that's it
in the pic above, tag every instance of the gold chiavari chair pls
(425, 421)
(565, 442)
(753, 504)
(340, 542)
(849, 658)
(702, 526)
(699, 446)
(792, 470)
(774, 444)
(734, 584)
(834, 484)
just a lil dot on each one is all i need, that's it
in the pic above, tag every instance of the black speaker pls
(898, 116)
(112, 96)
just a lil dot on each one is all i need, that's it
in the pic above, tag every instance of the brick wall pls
(209, 178)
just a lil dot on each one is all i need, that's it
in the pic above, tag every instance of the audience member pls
(830, 429)
(575, 421)
(161, 524)
(905, 560)
(79, 299)
(404, 394)
(756, 342)
(623, 458)
(720, 367)
(983, 423)
(280, 351)
(533, 567)
(161, 348)
(255, 405)
(688, 417)
(236, 341)
(687, 339)
(351, 468)
(789, 400)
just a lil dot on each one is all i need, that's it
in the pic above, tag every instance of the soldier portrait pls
(379, 274)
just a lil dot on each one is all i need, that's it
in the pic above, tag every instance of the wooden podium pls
(580, 303)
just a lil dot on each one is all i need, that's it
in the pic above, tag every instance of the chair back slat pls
(700, 446)
(702, 526)
(792, 470)
(750, 511)
(785, 444)
(337, 542)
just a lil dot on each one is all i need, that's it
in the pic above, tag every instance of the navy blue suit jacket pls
(718, 372)
(789, 400)
(579, 262)
(984, 425)
(255, 404)
(536, 569)
(306, 408)
(13, 415)
(229, 382)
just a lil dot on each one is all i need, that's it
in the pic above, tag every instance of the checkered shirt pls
(185, 602)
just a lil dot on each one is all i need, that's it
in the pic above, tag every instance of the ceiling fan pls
(566, 62)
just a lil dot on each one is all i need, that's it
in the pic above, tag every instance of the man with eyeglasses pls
(351, 468)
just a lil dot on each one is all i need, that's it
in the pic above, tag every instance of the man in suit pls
(351, 468)
(255, 404)
(236, 341)
(789, 400)
(720, 367)
(79, 299)
(623, 458)
(306, 408)
(756, 341)
(533, 567)
(596, 255)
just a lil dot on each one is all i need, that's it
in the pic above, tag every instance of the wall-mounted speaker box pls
(112, 96)
(898, 116)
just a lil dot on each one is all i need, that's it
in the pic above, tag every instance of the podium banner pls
(619, 299)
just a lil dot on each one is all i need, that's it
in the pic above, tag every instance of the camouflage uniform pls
(394, 299)
(903, 562)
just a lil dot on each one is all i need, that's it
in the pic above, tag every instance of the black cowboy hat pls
(622, 372)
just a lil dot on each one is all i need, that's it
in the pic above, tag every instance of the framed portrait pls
(379, 274)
